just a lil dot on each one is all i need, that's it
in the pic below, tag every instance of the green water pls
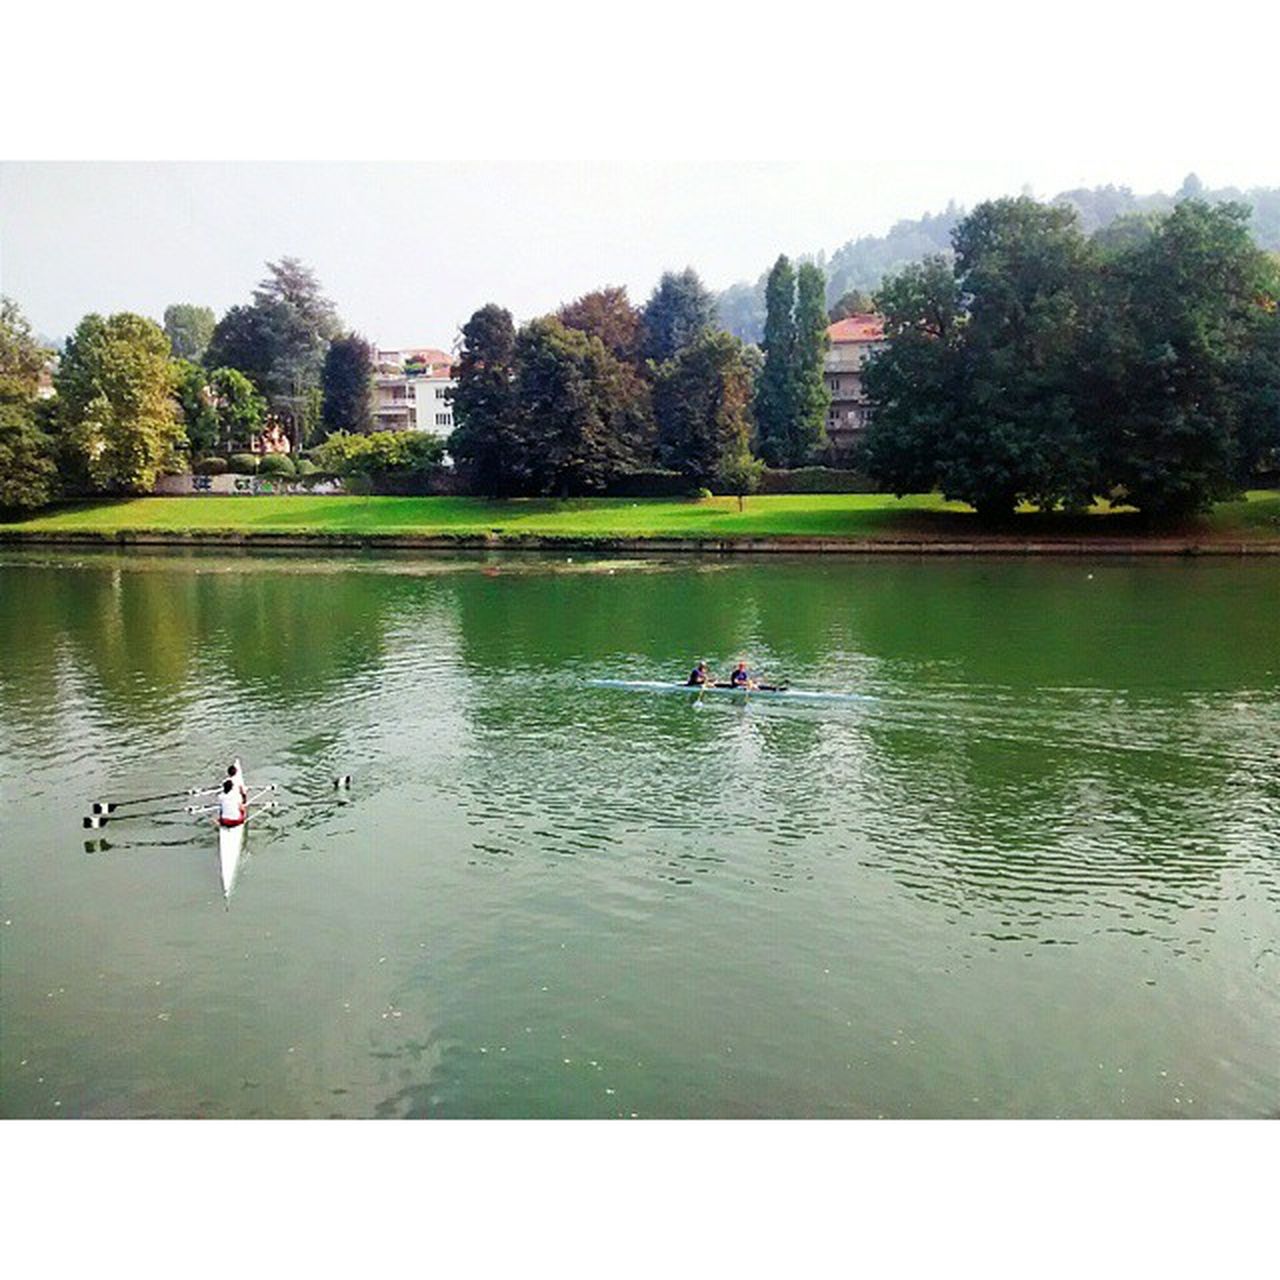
(1039, 876)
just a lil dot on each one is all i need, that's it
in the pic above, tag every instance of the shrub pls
(277, 464)
(702, 494)
(381, 453)
(210, 467)
(305, 467)
(243, 464)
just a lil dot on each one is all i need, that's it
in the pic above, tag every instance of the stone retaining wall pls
(1158, 546)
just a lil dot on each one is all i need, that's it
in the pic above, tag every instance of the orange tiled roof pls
(864, 327)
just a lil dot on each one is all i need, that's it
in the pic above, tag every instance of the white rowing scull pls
(738, 691)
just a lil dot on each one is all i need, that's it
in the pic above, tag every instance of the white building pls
(410, 391)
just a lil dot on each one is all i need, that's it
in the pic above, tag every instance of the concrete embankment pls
(986, 545)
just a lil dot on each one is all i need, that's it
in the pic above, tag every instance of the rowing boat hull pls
(230, 850)
(772, 695)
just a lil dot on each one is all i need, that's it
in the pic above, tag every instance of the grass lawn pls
(852, 515)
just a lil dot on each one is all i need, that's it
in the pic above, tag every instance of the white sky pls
(575, 146)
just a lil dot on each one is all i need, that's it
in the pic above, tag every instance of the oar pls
(110, 806)
(96, 821)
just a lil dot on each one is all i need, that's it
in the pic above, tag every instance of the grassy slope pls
(830, 515)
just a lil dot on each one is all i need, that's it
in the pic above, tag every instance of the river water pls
(1038, 875)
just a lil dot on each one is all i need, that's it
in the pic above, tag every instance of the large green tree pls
(484, 442)
(678, 310)
(776, 388)
(1181, 376)
(981, 391)
(1029, 277)
(702, 407)
(189, 328)
(581, 420)
(348, 385)
(116, 412)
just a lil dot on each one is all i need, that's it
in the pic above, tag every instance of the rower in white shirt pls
(232, 798)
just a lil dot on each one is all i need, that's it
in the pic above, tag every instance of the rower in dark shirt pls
(698, 676)
(741, 677)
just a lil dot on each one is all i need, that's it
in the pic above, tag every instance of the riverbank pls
(920, 524)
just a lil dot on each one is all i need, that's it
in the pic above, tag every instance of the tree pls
(776, 390)
(245, 339)
(853, 302)
(1183, 382)
(221, 410)
(292, 284)
(21, 356)
(580, 422)
(280, 341)
(982, 389)
(484, 443)
(348, 385)
(116, 410)
(811, 344)
(198, 405)
(189, 328)
(740, 474)
(606, 314)
(678, 310)
(702, 406)
(241, 410)
(917, 383)
(28, 474)
(1021, 435)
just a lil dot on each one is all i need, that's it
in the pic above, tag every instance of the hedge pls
(210, 467)
(651, 484)
(243, 464)
(816, 480)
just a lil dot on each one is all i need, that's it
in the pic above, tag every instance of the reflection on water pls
(1038, 876)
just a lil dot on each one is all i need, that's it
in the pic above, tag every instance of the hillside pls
(864, 262)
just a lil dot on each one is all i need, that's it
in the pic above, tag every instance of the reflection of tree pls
(142, 633)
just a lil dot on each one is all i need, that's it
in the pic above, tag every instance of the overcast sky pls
(653, 119)
(409, 251)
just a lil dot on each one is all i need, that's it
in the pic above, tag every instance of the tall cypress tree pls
(812, 396)
(775, 397)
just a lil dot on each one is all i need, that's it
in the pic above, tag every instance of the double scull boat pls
(738, 691)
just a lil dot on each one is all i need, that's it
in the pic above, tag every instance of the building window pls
(833, 383)
(440, 393)
(444, 420)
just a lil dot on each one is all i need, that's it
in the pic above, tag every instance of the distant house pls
(410, 390)
(853, 340)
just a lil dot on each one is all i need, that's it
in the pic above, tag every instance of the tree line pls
(1032, 363)
(133, 400)
(1037, 365)
(573, 402)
